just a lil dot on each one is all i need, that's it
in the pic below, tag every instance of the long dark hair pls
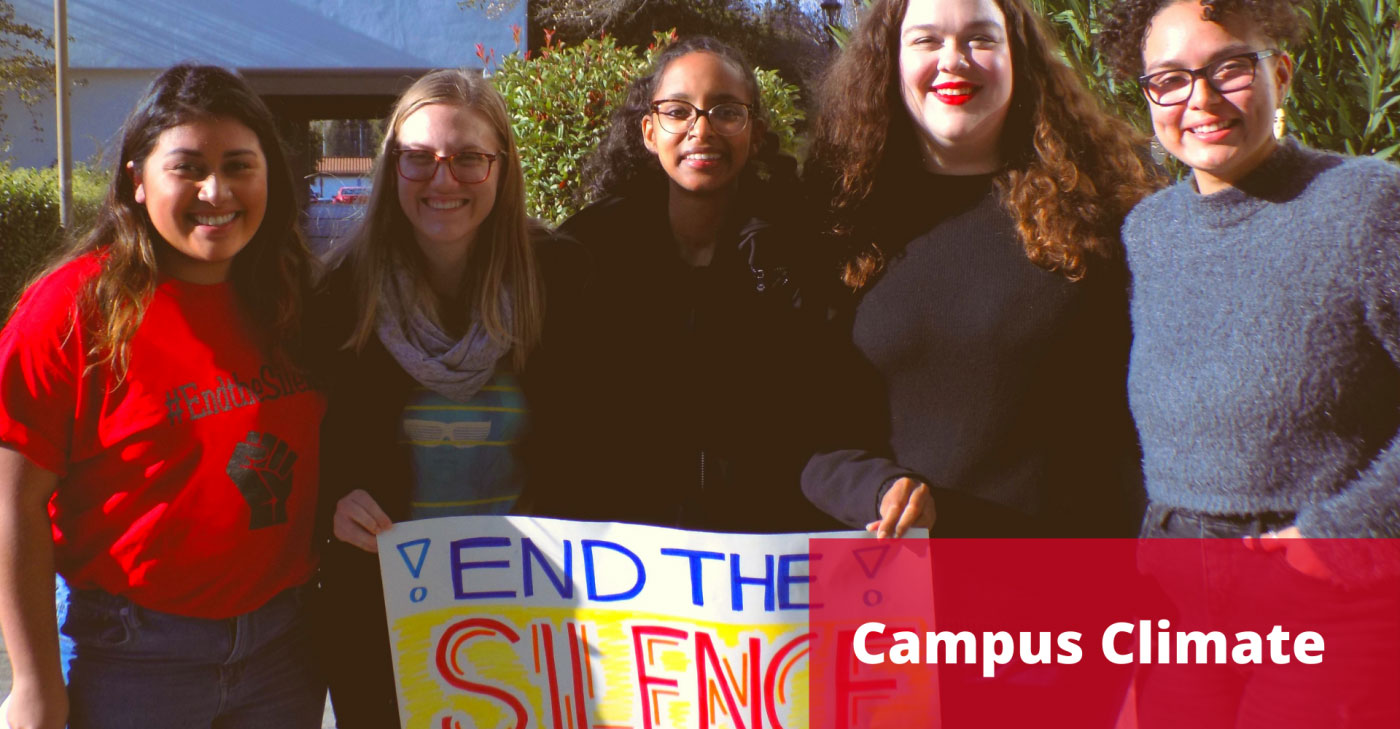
(622, 164)
(1072, 170)
(270, 276)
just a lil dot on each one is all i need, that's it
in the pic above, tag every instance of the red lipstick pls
(955, 93)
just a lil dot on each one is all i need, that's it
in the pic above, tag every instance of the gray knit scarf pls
(454, 368)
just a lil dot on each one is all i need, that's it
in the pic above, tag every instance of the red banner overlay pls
(1201, 634)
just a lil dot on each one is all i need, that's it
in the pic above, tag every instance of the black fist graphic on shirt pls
(261, 467)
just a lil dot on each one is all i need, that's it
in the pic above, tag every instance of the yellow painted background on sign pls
(425, 697)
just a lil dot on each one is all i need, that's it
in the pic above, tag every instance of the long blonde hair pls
(501, 259)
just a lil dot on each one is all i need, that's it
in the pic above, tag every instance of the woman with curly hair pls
(159, 440)
(686, 397)
(977, 189)
(1265, 377)
(1281, 385)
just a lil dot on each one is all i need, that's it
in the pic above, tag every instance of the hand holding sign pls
(907, 504)
(358, 520)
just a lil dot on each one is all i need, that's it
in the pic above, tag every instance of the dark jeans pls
(140, 668)
(1215, 582)
(1170, 522)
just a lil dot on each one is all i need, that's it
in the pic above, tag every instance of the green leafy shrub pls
(782, 101)
(560, 101)
(1076, 23)
(29, 221)
(1346, 86)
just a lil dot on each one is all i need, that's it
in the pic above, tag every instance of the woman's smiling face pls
(1221, 137)
(442, 210)
(204, 187)
(701, 160)
(956, 81)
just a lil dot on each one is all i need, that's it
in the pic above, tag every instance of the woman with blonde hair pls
(434, 310)
(976, 191)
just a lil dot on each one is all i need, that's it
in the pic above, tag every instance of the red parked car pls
(352, 195)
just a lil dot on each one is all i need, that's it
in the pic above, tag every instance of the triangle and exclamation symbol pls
(415, 563)
(870, 559)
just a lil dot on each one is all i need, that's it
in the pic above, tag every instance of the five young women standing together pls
(157, 407)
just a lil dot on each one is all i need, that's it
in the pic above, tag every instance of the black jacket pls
(361, 449)
(687, 387)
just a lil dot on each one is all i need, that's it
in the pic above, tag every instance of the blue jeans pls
(135, 667)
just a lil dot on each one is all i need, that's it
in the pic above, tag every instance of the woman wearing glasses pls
(978, 189)
(682, 403)
(1264, 300)
(433, 311)
(1265, 376)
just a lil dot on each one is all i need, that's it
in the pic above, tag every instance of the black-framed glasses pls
(678, 117)
(468, 168)
(1174, 86)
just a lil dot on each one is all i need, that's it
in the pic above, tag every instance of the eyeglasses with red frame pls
(466, 167)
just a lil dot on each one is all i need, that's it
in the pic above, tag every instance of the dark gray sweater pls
(996, 382)
(1264, 370)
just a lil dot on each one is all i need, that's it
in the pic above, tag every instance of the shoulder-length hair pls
(622, 164)
(270, 276)
(1072, 171)
(501, 260)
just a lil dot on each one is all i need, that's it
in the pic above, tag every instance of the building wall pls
(98, 108)
(306, 47)
(275, 33)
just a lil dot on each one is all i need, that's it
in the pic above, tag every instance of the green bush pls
(560, 101)
(1346, 88)
(29, 221)
(1076, 23)
(782, 101)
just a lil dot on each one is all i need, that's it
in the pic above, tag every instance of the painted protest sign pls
(521, 622)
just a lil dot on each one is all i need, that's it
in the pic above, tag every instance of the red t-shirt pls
(190, 486)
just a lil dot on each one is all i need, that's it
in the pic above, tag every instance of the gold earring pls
(1280, 126)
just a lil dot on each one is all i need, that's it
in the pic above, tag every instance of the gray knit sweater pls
(1264, 372)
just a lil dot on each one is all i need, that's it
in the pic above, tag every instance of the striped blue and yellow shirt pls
(463, 453)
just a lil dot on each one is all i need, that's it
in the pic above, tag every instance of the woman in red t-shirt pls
(158, 442)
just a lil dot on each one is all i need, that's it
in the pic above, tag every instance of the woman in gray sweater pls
(1265, 370)
(1264, 376)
